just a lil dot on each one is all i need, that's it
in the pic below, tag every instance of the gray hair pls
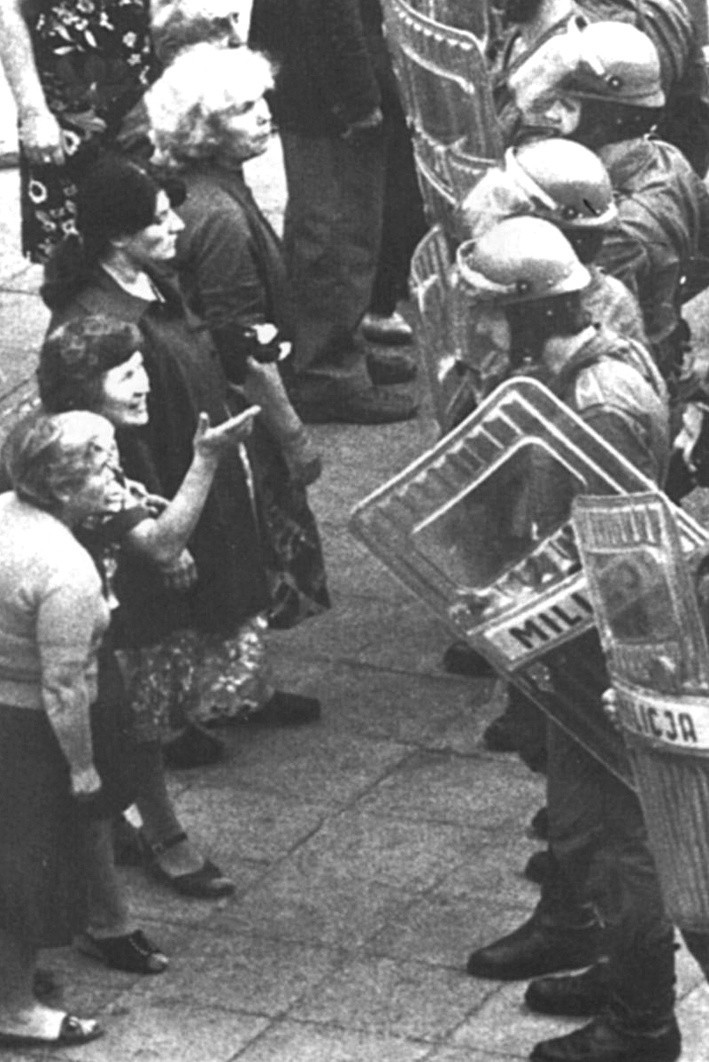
(186, 104)
(46, 455)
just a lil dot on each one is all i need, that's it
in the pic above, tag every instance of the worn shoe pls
(63, 1030)
(193, 748)
(538, 867)
(390, 367)
(283, 709)
(578, 995)
(375, 405)
(132, 952)
(600, 1041)
(461, 659)
(534, 949)
(392, 329)
(206, 883)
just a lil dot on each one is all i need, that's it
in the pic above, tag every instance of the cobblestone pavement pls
(371, 851)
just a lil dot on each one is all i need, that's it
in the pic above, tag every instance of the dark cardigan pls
(185, 379)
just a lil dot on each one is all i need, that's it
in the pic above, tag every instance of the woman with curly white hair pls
(208, 116)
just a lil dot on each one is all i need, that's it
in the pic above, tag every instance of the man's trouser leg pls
(331, 239)
(599, 840)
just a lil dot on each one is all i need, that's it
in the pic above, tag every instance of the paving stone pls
(503, 1025)
(24, 323)
(313, 905)
(445, 787)
(238, 972)
(167, 1032)
(325, 765)
(442, 927)
(395, 999)
(402, 854)
(246, 824)
(693, 1017)
(430, 711)
(294, 1042)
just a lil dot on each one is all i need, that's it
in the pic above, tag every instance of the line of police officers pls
(580, 248)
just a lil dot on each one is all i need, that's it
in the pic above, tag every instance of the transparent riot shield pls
(464, 343)
(658, 659)
(471, 530)
(437, 49)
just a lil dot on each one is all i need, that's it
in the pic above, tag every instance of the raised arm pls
(40, 133)
(164, 538)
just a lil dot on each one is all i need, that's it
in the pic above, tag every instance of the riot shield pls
(445, 90)
(462, 527)
(658, 659)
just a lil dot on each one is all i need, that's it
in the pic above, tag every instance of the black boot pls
(574, 996)
(537, 948)
(538, 867)
(601, 1041)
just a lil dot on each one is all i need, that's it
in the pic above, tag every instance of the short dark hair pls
(75, 357)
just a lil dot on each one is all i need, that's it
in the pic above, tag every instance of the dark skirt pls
(43, 892)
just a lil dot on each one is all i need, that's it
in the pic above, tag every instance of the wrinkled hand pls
(41, 138)
(213, 442)
(182, 574)
(609, 701)
(85, 782)
(370, 123)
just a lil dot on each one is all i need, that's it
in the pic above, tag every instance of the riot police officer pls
(567, 184)
(610, 100)
(527, 269)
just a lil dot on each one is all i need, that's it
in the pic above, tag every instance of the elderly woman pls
(203, 646)
(96, 363)
(209, 116)
(52, 618)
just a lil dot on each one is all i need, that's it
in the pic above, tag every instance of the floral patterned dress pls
(95, 60)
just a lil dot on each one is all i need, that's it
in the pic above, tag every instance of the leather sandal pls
(132, 952)
(207, 883)
(68, 1030)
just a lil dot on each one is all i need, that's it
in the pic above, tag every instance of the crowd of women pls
(155, 515)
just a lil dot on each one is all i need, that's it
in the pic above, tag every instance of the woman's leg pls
(21, 1014)
(160, 823)
(108, 911)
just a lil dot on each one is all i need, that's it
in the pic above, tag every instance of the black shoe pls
(391, 367)
(538, 867)
(499, 736)
(535, 949)
(539, 825)
(193, 748)
(375, 405)
(283, 709)
(461, 659)
(574, 996)
(602, 1042)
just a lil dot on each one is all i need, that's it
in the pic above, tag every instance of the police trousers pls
(598, 841)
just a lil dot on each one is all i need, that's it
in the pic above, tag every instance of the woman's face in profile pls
(158, 241)
(125, 394)
(245, 130)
